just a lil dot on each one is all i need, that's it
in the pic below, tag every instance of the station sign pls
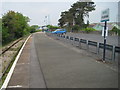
(105, 15)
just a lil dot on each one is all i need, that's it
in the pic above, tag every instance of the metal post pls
(97, 48)
(73, 41)
(113, 53)
(104, 41)
(79, 44)
(87, 46)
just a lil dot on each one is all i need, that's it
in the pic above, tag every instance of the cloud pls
(106, 0)
(39, 0)
(38, 10)
(95, 16)
(56, 0)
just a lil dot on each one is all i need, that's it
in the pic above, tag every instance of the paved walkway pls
(20, 77)
(49, 63)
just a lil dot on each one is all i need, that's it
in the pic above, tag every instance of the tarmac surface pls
(49, 63)
(112, 40)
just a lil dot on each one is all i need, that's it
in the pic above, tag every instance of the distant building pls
(85, 0)
(100, 26)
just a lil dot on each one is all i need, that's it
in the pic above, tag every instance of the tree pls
(0, 31)
(0, 24)
(66, 18)
(76, 14)
(14, 25)
(81, 10)
(33, 28)
(52, 27)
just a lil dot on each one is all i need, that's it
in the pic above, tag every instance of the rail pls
(4, 51)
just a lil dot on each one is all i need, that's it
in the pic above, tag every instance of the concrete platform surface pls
(48, 63)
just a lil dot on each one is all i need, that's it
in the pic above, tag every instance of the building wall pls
(98, 27)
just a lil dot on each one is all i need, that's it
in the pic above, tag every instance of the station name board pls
(105, 15)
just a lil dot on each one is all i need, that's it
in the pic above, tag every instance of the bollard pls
(97, 48)
(73, 41)
(87, 46)
(113, 53)
(79, 44)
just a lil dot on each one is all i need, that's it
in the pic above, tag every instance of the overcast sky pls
(36, 10)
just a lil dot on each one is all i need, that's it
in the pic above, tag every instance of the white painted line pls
(23, 63)
(18, 86)
(4, 86)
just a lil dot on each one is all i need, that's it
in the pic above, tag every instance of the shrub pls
(116, 31)
(52, 27)
(88, 30)
(75, 28)
(40, 30)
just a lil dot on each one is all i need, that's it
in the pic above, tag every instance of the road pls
(112, 40)
(53, 64)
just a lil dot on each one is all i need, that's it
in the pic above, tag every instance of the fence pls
(112, 52)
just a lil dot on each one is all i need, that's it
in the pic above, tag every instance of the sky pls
(37, 10)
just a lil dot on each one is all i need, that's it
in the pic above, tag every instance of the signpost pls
(105, 18)
(106, 31)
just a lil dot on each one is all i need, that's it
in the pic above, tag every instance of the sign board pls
(105, 15)
(106, 32)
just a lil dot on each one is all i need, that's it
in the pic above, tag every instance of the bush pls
(88, 30)
(116, 31)
(14, 25)
(52, 27)
(75, 28)
(40, 30)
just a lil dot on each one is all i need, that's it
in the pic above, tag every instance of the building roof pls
(99, 26)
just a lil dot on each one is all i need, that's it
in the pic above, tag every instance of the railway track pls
(4, 50)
